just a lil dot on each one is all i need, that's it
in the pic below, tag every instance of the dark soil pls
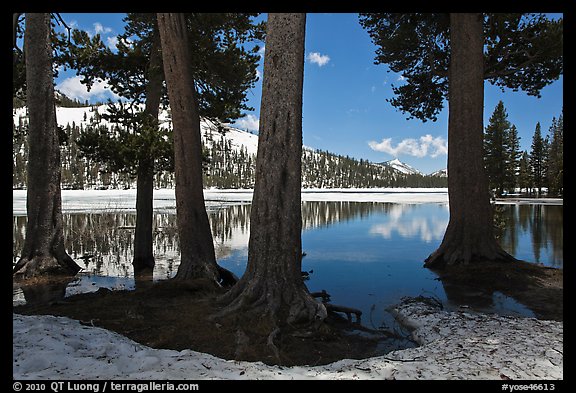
(176, 315)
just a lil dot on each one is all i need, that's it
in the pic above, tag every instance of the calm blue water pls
(371, 258)
(365, 255)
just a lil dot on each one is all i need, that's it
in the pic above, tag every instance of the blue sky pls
(345, 109)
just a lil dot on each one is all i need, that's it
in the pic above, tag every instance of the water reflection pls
(103, 243)
(532, 232)
(408, 221)
(366, 255)
(42, 291)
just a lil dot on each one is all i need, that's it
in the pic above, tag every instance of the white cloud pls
(317, 58)
(249, 122)
(74, 89)
(258, 74)
(99, 29)
(262, 50)
(112, 42)
(424, 146)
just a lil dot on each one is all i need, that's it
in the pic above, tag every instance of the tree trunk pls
(197, 259)
(143, 261)
(469, 236)
(43, 252)
(272, 286)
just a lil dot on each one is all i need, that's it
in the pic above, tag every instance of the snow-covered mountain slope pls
(401, 166)
(440, 173)
(85, 115)
(212, 133)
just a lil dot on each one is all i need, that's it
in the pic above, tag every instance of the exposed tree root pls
(45, 265)
(452, 253)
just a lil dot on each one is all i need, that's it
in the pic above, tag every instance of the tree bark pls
(198, 259)
(43, 252)
(143, 261)
(469, 236)
(272, 286)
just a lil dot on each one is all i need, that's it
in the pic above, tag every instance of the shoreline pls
(77, 201)
(453, 345)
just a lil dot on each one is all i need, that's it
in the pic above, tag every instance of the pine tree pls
(538, 160)
(450, 56)
(556, 158)
(43, 251)
(495, 154)
(223, 71)
(272, 291)
(524, 173)
(513, 155)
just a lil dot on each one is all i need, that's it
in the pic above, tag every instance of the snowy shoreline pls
(454, 345)
(76, 201)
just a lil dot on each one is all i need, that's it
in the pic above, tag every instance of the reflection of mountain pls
(427, 227)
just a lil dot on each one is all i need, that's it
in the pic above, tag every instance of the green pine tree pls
(556, 158)
(524, 180)
(512, 161)
(495, 154)
(538, 160)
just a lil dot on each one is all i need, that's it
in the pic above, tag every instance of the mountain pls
(401, 166)
(440, 173)
(230, 154)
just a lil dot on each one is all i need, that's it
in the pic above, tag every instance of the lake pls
(366, 255)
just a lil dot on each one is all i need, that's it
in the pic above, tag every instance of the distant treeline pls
(224, 167)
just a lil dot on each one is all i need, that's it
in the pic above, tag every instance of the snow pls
(454, 345)
(401, 167)
(74, 201)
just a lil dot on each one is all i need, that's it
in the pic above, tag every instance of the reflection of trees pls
(543, 223)
(43, 291)
(505, 222)
(321, 214)
(108, 237)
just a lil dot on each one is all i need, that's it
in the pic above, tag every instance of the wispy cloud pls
(426, 145)
(249, 122)
(112, 42)
(74, 89)
(100, 29)
(317, 58)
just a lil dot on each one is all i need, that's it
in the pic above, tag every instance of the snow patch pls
(454, 345)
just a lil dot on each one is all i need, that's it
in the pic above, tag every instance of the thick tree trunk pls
(469, 236)
(143, 261)
(43, 252)
(272, 286)
(197, 259)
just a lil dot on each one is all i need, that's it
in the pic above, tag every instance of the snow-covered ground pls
(454, 345)
(74, 201)
(125, 200)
